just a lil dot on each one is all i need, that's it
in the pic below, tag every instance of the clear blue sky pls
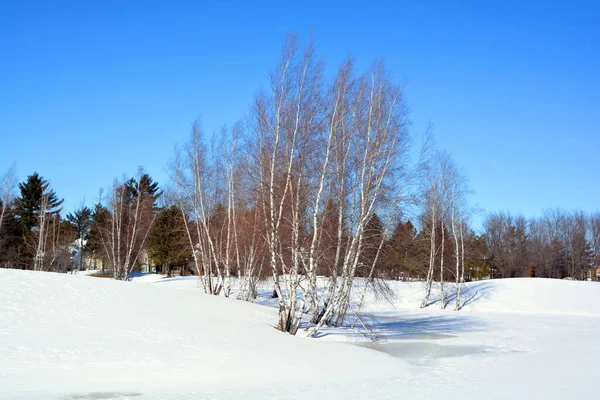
(92, 89)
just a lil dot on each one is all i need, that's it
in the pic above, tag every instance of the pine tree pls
(373, 236)
(399, 259)
(11, 240)
(28, 204)
(167, 242)
(146, 188)
(37, 209)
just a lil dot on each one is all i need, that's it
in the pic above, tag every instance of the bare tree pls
(370, 145)
(322, 146)
(578, 248)
(286, 128)
(206, 194)
(40, 235)
(445, 208)
(432, 211)
(594, 231)
(507, 241)
(458, 210)
(7, 185)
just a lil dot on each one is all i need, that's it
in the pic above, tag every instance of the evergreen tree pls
(372, 237)
(11, 240)
(167, 241)
(399, 252)
(28, 204)
(145, 187)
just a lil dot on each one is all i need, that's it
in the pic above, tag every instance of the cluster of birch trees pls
(321, 155)
(34, 235)
(122, 223)
(445, 218)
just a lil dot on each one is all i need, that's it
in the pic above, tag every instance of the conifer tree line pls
(318, 192)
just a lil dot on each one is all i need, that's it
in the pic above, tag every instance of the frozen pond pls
(424, 352)
(422, 339)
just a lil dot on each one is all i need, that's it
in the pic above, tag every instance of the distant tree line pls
(559, 244)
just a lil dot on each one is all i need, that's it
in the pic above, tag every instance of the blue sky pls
(90, 90)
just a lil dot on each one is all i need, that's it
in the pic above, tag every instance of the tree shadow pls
(471, 293)
(477, 291)
(383, 328)
(176, 278)
(423, 326)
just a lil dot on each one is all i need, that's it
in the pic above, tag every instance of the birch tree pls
(7, 185)
(339, 144)
(431, 217)
(370, 141)
(458, 211)
(286, 128)
(321, 156)
(205, 190)
(595, 243)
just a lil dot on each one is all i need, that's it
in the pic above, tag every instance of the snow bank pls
(518, 295)
(77, 337)
(75, 334)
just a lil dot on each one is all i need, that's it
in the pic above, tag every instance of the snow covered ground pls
(78, 337)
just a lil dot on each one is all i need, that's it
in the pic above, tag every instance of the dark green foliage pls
(400, 253)
(81, 221)
(145, 187)
(11, 240)
(28, 204)
(476, 261)
(167, 241)
(373, 235)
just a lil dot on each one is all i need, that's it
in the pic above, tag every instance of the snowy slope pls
(519, 295)
(64, 333)
(77, 337)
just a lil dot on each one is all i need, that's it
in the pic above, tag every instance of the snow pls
(78, 337)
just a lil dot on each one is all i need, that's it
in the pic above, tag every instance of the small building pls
(593, 274)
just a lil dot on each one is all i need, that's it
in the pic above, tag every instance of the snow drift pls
(69, 334)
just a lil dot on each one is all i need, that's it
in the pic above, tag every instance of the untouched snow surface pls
(77, 337)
